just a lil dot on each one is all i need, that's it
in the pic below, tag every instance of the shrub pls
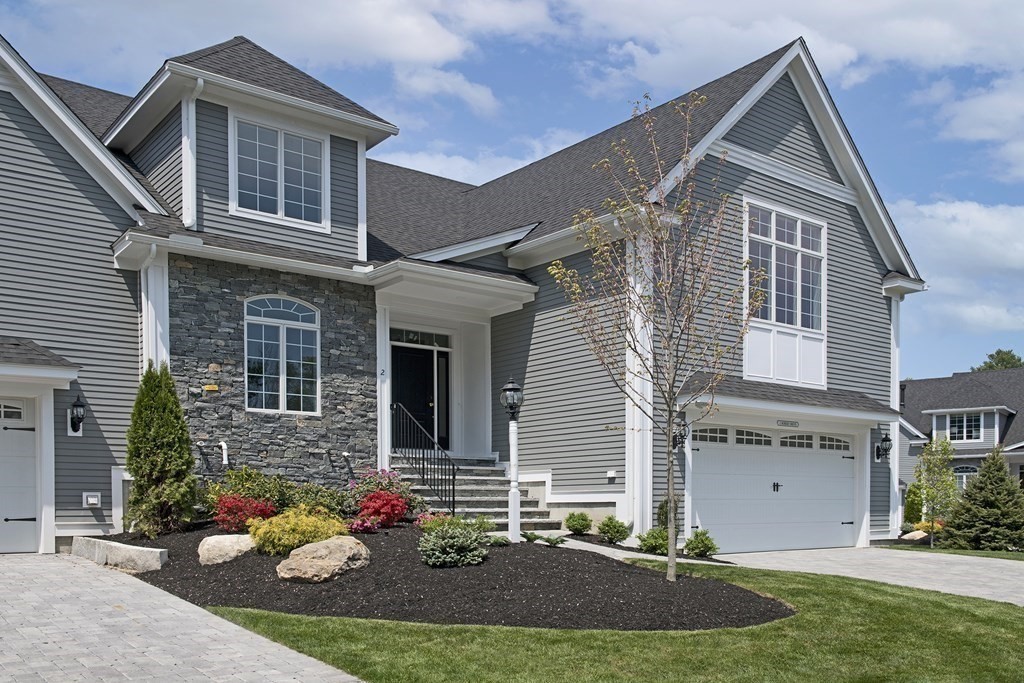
(700, 544)
(912, 505)
(484, 525)
(663, 513)
(373, 481)
(364, 525)
(497, 541)
(293, 528)
(990, 513)
(429, 521)
(339, 502)
(926, 526)
(452, 545)
(578, 523)
(159, 458)
(251, 483)
(654, 541)
(553, 541)
(530, 536)
(612, 530)
(906, 528)
(388, 507)
(233, 511)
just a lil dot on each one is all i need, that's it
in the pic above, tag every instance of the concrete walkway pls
(623, 553)
(63, 618)
(979, 577)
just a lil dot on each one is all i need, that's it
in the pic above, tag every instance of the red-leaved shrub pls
(233, 511)
(388, 507)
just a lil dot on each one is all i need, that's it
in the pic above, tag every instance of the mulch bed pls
(597, 540)
(520, 585)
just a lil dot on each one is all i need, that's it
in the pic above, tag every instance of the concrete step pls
(492, 503)
(496, 513)
(413, 474)
(474, 462)
(469, 491)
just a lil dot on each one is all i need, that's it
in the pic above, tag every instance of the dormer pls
(243, 144)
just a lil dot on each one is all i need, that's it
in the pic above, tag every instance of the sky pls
(931, 90)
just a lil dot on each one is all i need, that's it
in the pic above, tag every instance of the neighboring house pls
(976, 411)
(321, 311)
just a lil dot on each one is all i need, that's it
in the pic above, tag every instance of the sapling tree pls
(163, 492)
(662, 304)
(990, 513)
(938, 485)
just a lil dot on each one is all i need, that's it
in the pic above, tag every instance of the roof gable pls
(966, 390)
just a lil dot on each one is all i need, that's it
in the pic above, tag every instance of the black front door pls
(422, 392)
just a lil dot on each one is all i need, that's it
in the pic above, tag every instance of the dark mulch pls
(520, 585)
(597, 540)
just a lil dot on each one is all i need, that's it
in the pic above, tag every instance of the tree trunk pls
(670, 507)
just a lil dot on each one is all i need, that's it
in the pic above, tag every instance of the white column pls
(383, 387)
(155, 311)
(688, 521)
(513, 474)
(45, 436)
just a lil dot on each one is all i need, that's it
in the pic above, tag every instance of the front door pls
(19, 504)
(421, 384)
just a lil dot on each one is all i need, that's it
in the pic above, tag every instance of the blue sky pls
(932, 91)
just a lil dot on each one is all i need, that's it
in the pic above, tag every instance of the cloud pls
(486, 163)
(972, 256)
(428, 82)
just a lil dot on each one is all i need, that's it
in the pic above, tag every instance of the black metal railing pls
(415, 445)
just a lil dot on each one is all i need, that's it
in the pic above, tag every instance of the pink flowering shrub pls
(364, 525)
(386, 481)
(385, 506)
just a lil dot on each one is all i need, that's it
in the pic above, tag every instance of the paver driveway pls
(63, 618)
(979, 577)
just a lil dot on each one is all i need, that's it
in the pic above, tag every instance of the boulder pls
(217, 549)
(914, 536)
(323, 561)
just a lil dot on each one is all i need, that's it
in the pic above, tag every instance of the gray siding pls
(779, 126)
(495, 261)
(880, 489)
(659, 478)
(213, 188)
(988, 433)
(159, 158)
(573, 416)
(908, 457)
(61, 290)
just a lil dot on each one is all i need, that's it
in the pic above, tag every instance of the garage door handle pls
(846, 522)
(20, 429)
(19, 519)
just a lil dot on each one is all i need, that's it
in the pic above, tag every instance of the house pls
(323, 312)
(976, 411)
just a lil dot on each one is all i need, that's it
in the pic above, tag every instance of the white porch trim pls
(618, 498)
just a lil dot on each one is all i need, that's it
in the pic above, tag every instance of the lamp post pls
(511, 398)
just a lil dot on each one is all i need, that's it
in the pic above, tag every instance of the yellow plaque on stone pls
(211, 387)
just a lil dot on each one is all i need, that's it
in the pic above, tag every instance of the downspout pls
(188, 157)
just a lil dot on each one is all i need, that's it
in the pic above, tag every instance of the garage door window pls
(797, 441)
(746, 437)
(711, 435)
(12, 410)
(831, 443)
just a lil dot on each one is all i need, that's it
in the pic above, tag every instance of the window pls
(9, 410)
(797, 441)
(965, 427)
(421, 338)
(962, 474)
(711, 435)
(279, 173)
(789, 252)
(831, 443)
(746, 437)
(282, 356)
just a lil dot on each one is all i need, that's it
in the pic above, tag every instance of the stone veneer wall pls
(207, 339)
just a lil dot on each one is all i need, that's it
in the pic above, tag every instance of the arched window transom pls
(282, 356)
(963, 473)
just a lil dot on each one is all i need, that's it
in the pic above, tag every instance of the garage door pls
(762, 490)
(19, 505)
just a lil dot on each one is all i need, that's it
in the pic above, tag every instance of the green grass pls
(846, 629)
(1000, 554)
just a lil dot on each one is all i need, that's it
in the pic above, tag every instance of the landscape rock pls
(218, 549)
(324, 561)
(128, 557)
(914, 536)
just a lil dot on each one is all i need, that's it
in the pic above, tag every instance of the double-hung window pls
(282, 356)
(965, 427)
(789, 251)
(280, 174)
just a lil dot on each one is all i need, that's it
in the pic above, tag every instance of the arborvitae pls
(990, 513)
(163, 493)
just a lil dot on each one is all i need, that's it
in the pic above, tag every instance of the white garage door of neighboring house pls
(765, 490)
(19, 504)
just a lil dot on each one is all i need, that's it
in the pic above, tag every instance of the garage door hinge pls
(20, 429)
(846, 522)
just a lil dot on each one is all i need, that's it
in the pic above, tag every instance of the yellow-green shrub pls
(293, 528)
(927, 526)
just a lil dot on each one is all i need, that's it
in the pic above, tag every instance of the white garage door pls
(19, 505)
(770, 491)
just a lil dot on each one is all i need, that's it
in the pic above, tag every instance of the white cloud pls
(428, 82)
(486, 163)
(972, 256)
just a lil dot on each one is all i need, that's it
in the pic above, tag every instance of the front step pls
(481, 489)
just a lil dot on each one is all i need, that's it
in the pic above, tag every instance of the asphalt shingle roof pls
(841, 399)
(20, 351)
(97, 108)
(967, 390)
(245, 61)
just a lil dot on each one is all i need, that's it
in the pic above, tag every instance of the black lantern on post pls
(77, 414)
(883, 449)
(511, 398)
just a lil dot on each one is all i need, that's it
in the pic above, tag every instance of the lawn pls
(846, 629)
(999, 554)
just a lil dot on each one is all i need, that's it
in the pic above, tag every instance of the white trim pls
(913, 430)
(47, 469)
(383, 387)
(862, 484)
(782, 171)
(118, 474)
(361, 238)
(189, 202)
(281, 127)
(896, 285)
(964, 414)
(475, 246)
(282, 326)
(155, 285)
(80, 143)
(56, 377)
(776, 408)
(956, 411)
(550, 496)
